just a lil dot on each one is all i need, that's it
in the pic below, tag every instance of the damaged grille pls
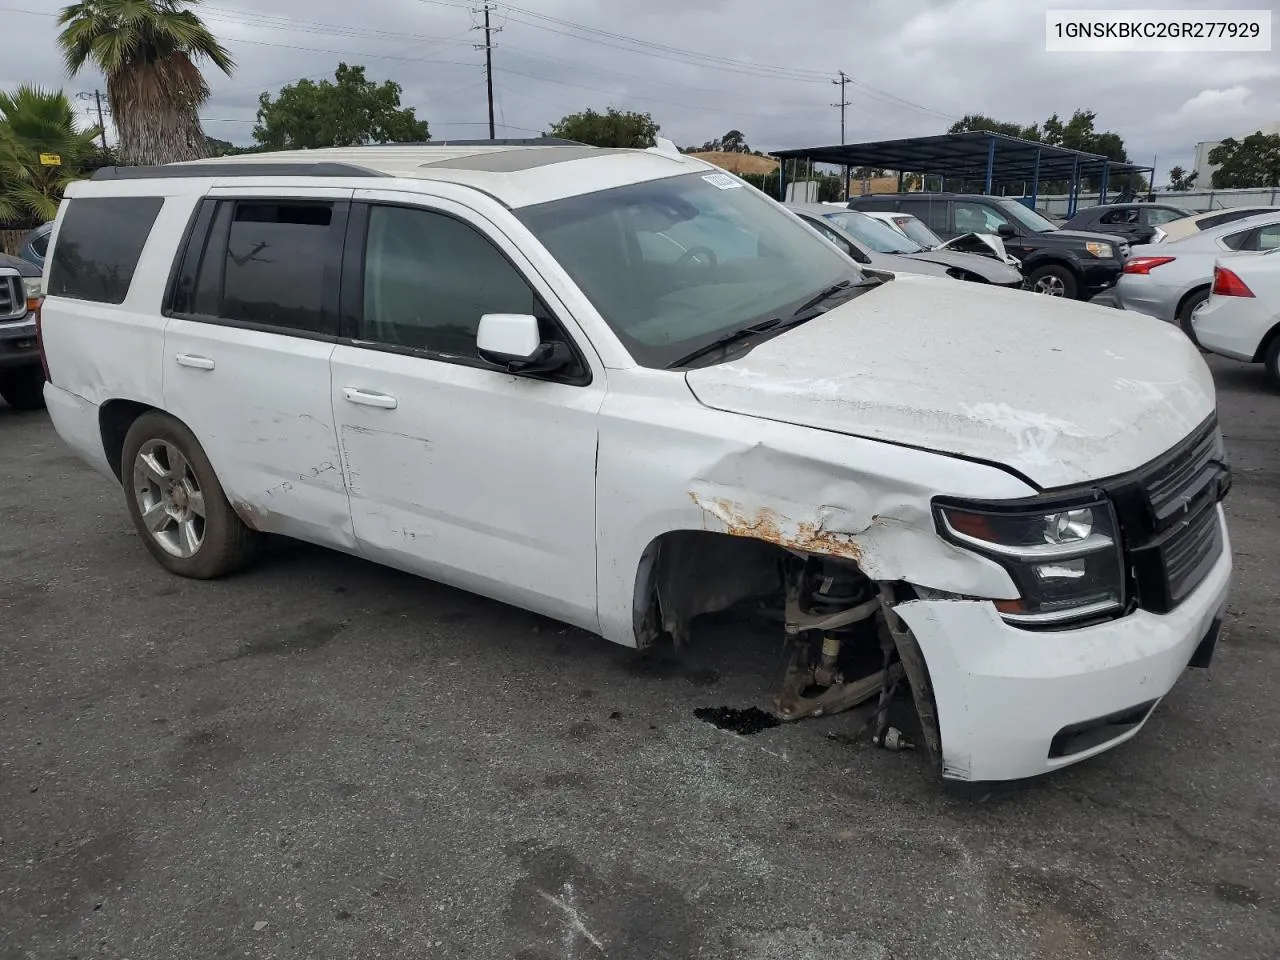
(1169, 520)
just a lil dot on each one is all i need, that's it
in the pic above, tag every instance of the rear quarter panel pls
(105, 351)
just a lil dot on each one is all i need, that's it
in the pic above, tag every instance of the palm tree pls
(34, 121)
(148, 50)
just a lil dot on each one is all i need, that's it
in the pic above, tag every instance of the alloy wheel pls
(169, 498)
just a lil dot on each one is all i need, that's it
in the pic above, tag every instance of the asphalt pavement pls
(325, 758)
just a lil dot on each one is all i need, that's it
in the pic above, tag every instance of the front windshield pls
(1027, 217)
(675, 264)
(880, 237)
(917, 231)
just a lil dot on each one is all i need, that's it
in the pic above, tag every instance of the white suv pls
(622, 389)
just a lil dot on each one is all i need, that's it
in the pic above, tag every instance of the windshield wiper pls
(726, 340)
(825, 294)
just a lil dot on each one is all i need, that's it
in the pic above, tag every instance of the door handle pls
(356, 395)
(190, 360)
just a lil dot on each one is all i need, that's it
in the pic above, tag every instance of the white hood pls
(1061, 391)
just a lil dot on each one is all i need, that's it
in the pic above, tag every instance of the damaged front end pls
(844, 647)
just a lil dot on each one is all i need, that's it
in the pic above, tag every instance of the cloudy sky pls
(702, 67)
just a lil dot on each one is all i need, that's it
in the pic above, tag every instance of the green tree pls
(148, 51)
(35, 122)
(980, 121)
(1180, 180)
(615, 128)
(349, 111)
(1251, 162)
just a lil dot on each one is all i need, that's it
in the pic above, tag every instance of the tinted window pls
(1239, 241)
(1122, 216)
(1159, 215)
(1226, 216)
(868, 203)
(41, 244)
(274, 264)
(978, 218)
(99, 244)
(933, 211)
(428, 279)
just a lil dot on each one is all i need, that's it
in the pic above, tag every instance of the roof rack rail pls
(514, 142)
(287, 168)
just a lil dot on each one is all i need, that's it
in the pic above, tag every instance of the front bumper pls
(1014, 703)
(18, 347)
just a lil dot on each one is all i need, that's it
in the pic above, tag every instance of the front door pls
(458, 470)
(254, 321)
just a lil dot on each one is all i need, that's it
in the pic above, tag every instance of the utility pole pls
(97, 99)
(844, 79)
(487, 46)
(102, 127)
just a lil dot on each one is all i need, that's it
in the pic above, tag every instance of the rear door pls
(253, 321)
(458, 470)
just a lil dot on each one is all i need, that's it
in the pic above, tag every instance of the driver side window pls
(428, 278)
(977, 218)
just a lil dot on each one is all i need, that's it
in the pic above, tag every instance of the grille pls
(1169, 519)
(13, 299)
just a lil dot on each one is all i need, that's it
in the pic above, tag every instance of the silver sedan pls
(880, 246)
(1169, 280)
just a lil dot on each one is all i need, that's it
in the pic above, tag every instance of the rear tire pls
(1187, 308)
(177, 503)
(1272, 362)
(1052, 280)
(23, 389)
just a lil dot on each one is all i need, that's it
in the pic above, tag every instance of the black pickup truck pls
(1058, 263)
(21, 370)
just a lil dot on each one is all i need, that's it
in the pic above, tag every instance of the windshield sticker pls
(722, 180)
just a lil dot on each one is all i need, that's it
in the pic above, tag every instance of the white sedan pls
(1241, 318)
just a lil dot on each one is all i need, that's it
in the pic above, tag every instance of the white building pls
(1204, 169)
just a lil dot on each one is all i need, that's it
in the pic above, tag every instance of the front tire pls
(23, 390)
(177, 503)
(1052, 280)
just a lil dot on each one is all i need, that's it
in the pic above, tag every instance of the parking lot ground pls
(325, 758)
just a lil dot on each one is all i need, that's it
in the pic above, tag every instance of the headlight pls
(1102, 250)
(34, 290)
(1159, 236)
(1064, 558)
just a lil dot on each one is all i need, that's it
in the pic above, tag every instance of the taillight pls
(44, 361)
(1227, 284)
(1144, 265)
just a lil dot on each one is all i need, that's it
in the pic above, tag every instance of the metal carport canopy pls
(964, 155)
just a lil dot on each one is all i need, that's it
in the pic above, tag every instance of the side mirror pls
(514, 342)
(1006, 232)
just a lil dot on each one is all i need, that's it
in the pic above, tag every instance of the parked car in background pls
(1169, 280)
(1190, 226)
(1135, 222)
(1058, 263)
(885, 248)
(624, 389)
(36, 244)
(1241, 318)
(21, 375)
(983, 244)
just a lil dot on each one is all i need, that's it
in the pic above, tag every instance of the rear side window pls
(264, 264)
(99, 243)
(1239, 213)
(932, 210)
(866, 203)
